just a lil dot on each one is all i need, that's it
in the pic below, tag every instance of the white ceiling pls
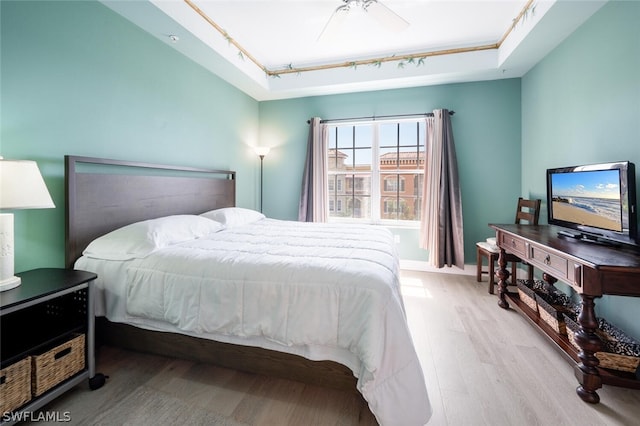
(270, 49)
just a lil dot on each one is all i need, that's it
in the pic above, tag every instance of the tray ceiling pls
(272, 49)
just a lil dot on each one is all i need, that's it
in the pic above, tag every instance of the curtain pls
(314, 192)
(441, 231)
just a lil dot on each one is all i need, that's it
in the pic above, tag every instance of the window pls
(335, 206)
(391, 206)
(393, 184)
(335, 183)
(376, 170)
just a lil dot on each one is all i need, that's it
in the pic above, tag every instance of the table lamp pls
(21, 187)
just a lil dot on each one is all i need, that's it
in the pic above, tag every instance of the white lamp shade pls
(22, 186)
(261, 151)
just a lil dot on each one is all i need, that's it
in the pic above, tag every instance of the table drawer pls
(550, 263)
(514, 245)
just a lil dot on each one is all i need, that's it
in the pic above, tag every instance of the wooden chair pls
(529, 211)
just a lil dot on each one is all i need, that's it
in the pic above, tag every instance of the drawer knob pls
(547, 260)
(513, 243)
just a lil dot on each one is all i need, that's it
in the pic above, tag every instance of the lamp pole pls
(262, 151)
(261, 161)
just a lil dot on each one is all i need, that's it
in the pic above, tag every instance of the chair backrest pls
(528, 210)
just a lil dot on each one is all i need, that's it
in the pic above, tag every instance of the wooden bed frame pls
(103, 195)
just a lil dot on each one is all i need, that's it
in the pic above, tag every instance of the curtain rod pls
(380, 117)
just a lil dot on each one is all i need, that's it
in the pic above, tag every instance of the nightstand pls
(47, 326)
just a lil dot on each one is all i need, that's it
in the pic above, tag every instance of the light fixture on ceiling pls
(378, 11)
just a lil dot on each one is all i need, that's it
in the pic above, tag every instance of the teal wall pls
(581, 104)
(486, 128)
(76, 78)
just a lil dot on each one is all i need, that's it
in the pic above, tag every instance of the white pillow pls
(140, 239)
(233, 216)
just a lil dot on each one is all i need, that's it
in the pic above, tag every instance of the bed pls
(184, 272)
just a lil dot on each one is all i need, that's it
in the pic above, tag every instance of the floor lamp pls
(262, 151)
(21, 187)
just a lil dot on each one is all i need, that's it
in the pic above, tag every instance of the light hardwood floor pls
(482, 365)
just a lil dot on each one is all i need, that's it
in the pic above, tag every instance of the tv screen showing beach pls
(589, 198)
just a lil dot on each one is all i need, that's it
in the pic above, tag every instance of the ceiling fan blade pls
(386, 17)
(334, 25)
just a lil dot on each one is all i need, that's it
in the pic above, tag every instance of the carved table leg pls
(551, 280)
(503, 276)
(586, 372)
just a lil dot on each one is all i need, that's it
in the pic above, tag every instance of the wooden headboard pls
(102, 195)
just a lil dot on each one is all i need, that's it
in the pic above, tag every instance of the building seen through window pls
(376, 170)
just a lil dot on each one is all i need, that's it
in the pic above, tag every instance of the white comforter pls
(322, 291)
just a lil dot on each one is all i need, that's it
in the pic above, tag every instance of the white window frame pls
(376, 196)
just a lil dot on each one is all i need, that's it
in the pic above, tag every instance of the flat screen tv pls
(595, 202)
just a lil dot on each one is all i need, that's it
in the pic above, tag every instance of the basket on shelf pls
(15, 385)
(526, 290)
(58, 364)
(619, 351)
(552, 303)
(572, 327)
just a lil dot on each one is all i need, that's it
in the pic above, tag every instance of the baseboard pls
(421, 266)
(418, 265)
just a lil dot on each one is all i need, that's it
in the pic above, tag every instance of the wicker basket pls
(551, 314)
(527, 293)
(571, 321)
(552, 303)
(15, 385)
(571, 328)
(57, 364)
(620, 352)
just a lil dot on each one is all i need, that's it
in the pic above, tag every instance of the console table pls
(592, 270)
